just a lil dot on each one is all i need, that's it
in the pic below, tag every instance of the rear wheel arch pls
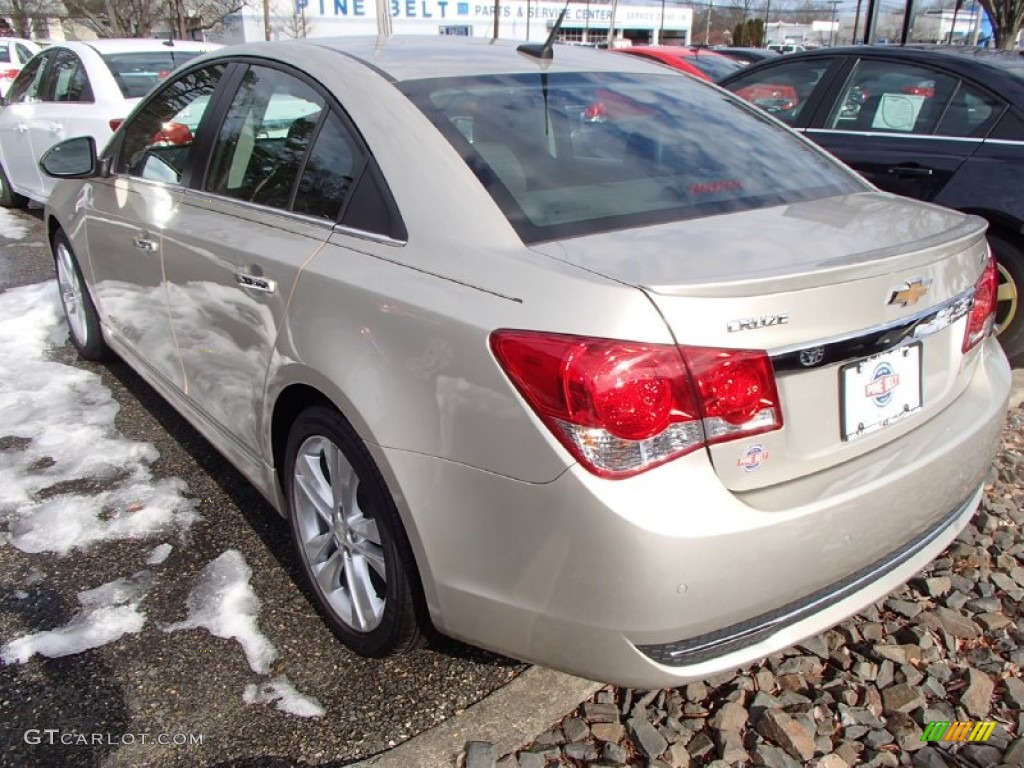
(293, 400)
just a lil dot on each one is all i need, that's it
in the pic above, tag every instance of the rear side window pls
(137, 73)
(5, 53)
(568, 154)
(892, 97)
(971, 113)
(782, 90)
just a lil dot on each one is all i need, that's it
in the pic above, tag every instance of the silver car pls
(566, 355)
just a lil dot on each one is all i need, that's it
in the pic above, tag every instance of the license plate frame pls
(880, 390)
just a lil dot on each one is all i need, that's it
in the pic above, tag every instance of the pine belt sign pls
(454, 11)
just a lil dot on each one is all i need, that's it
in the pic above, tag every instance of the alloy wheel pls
(339, 540)
(72, 294)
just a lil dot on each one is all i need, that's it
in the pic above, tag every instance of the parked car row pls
(71, 89)
(560, 352)
(941, 125)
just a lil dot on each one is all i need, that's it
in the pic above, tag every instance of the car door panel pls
(128, 215)
(25, 99)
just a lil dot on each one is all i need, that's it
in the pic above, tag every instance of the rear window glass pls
(570, 154)
(714, 66)
(137, 73)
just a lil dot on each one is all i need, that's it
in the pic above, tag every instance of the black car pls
(940, 124)
(748, 55)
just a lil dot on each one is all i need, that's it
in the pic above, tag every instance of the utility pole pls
(707, 23)
(266, 19)
(832, 22)
(497, 12)
(856, 23)
(661, 27)
(611, 24)
(767, 18)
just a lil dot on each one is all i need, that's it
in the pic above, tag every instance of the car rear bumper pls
(669, 577)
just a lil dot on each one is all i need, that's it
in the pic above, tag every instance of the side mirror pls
(71, 159)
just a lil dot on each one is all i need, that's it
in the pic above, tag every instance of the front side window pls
(892, 97)
(68, 79)
(260, 152)
(159, 137)
(138, 73)
(782, 90)
(27, 87)
(567, 154)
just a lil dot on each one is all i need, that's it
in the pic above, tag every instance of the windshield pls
(137, 73)
(568, 154)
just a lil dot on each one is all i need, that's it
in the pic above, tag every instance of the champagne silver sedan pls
(558, 352)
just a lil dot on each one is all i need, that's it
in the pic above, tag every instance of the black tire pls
(83, 328)
(1009, 312)
(8, 197)
(341, 585)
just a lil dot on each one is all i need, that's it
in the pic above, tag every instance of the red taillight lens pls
(115, 123)
(983, 309)
(9, 74)
(625, 407)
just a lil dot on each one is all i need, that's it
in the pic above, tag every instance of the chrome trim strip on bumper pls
(873, 341)
(733, 638)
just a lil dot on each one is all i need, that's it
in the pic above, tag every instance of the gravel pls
(947, 646)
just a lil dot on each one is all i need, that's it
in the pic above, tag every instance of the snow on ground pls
(109, 612)
(282, 693)
(224, 603)
(11, 226)
(66, 415)
(159, 554)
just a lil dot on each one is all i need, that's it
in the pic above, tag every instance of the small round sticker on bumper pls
(753, 458)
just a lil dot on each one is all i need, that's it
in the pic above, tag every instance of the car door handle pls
(910, 170)
(256, 282)
(144, 244)
(21, 127)
(56, 128)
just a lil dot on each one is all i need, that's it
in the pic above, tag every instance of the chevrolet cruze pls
(555, 351)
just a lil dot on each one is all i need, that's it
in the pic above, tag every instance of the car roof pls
(416, 57)
(136, 45)
(1002, 71)
(682, 51)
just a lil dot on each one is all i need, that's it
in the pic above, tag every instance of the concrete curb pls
(508, 718)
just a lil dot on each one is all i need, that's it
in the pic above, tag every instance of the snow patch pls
(12, 227)
(65, 416)
(109, 612)
(159, 554)
(224, 603)
(284, 696)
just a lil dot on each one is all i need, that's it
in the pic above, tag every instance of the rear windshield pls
(137, 73)
(714, 65)
(570, 154)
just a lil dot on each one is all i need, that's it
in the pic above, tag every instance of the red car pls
(698, 62)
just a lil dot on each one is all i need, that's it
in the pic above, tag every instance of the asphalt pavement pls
(188, 697)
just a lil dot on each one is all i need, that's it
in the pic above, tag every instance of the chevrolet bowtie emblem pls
(910, 291)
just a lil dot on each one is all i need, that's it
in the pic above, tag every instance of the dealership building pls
(517, 20)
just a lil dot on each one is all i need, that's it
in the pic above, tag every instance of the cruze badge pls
(910, 291)
(763, 321)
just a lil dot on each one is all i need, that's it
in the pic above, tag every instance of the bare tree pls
(141, 18)
(1007, 18)
(296, 26)
(23, 12)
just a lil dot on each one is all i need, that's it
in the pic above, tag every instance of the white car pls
(14, 54)
(76, 89)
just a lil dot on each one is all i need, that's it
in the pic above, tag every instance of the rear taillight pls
(983, 309)
(624, 407)
(9, 74)
(115, 123)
